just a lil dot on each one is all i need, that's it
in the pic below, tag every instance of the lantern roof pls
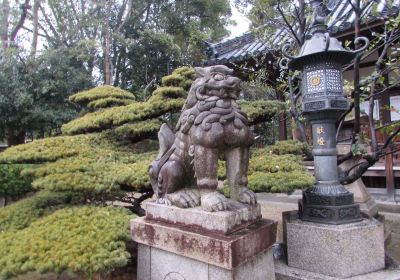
(320, 47)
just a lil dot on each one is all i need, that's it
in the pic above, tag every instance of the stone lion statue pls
(211, 125)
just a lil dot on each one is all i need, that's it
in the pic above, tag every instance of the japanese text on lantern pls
(320, 132)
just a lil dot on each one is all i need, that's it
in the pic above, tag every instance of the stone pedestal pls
(335, 250)
(183, 244)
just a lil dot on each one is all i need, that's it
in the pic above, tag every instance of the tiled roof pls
(341, 18)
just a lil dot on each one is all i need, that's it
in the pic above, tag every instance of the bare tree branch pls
(24, 7)
(288, 25)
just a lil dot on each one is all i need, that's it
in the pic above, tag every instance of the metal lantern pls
(321, 59)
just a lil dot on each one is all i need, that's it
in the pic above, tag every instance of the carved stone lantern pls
(320, 60)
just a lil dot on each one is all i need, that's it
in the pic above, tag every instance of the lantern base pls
(332, 209)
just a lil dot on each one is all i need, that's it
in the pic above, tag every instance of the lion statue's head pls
(212, 81)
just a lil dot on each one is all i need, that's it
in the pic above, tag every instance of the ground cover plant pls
(86, 240)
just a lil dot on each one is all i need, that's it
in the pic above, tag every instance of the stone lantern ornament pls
(321, 59)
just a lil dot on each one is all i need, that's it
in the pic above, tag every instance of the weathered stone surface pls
(226, 251)
(224, 222)
(335, 250)
(169, 266)
(285, 272)
(272, 207)
(144, 258)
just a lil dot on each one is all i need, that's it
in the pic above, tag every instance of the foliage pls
(98, 164)
(85, 240)
(291, 147)
(280, 182)
(138, 130)
(277, 173)
(115, 116)
(49, 149)
(33, 92)
(12, 183)
(261, 110)
(127, 119)
(110, 93)
(181, 77)
(21, 214)
(108, 102)
(270, 172)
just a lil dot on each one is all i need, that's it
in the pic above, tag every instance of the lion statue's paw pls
(187, 198)
(214, 201)
(247, 196)
(164, 201)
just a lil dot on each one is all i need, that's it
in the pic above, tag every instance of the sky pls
(242, 25)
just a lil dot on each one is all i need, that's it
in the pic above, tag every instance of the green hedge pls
(12, 183)
(85, 240)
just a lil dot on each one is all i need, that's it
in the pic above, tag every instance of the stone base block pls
(285, 272)
(157, 264)
(335, 250)
(171, 251)
(369, 208)
(224, 222)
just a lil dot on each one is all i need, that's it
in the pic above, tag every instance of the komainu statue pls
(211, 125)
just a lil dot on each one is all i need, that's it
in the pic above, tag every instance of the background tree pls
(115, 34)
(34, 100)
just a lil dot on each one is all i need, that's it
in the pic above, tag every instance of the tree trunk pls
(15, 137)
(4, 24)
(36, 6)
(108, 67)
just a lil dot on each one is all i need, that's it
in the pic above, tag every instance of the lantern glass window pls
(322, 79)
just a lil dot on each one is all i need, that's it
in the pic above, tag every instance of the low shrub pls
(280, 182)
(290, 147)
(85, 240)
(275, 163)
(274, 173)
(12, 183)
(22, 213)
